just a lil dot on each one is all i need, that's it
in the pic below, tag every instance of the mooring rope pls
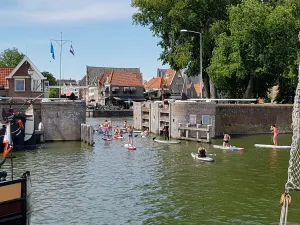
(285, 201)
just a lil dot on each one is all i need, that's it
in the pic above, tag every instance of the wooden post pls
(198, 126)
(81, 132)
(91, 141)
(208, 133)
(179, 131)
(187, 131)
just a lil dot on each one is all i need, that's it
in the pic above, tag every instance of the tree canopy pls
(248, 45)
(10, 57)
(50, 78)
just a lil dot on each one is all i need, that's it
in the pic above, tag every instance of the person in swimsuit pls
(130, 134)
(275, 131)
(226, 140)
(117, 130)
(106, 127)
(201, 152)
(166, 131)
(125, 124)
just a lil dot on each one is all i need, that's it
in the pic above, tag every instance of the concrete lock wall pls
(137, 114)
(62, 120)
(252, 119)
(181, 111)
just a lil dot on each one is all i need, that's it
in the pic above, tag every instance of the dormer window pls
(167, 76)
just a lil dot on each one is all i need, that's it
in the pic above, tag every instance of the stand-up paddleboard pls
(206, 159)
(272, 146)
(118, 137)
(167, 142)
(129, 147)
(107, 139)
(232, 148)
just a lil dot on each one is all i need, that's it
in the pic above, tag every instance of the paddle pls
(153, 138)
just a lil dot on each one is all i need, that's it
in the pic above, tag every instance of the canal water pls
(74, 183)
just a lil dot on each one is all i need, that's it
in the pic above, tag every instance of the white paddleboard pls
(129, 147)
(233, 148)
(118, 137)
(207, 159)
(272, 146)
(167, 142)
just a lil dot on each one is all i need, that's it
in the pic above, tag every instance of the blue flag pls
(52, 51)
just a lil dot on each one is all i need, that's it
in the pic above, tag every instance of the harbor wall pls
(252, 118)
(62, 120)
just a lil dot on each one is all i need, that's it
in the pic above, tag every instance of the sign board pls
(193, 119)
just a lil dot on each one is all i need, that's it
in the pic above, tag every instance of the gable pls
(24, 65)
(155, 83)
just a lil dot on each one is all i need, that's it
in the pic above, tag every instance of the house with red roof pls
(25, 80)
(120, 88)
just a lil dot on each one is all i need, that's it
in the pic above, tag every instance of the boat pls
(22, 128)
(206, 159)
(14, 194)
(167, 142)
(272, 146)
(232, 148)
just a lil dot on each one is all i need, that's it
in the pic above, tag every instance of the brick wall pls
(62, 120)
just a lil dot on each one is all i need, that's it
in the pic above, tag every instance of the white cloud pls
(54, 11)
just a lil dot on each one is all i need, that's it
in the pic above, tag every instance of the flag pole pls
(61, 43)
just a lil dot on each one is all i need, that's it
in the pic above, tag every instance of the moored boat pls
(14, 193)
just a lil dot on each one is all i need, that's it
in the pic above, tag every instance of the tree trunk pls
(212, 89)
(249, 90)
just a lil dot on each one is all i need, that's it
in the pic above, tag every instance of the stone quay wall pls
(253, 118)
(62, 120)
(230, 118)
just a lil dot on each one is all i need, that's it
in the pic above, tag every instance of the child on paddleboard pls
(275, 131)
(226, 140)
(201, 152)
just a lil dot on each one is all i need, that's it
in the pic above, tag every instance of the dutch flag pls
(72, 50)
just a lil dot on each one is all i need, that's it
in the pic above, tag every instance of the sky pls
(102, 34)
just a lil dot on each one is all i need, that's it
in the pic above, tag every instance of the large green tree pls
(53, 92)
(10, 57)
(256, 49)
(165, 18)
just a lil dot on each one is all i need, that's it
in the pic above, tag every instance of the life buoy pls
(282, 199)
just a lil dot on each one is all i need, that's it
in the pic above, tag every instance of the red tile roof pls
(4, 72)
(124, 79)
(197, 88)
(168, 77)
(155, 82)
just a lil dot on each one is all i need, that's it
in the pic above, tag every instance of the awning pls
(115, 88)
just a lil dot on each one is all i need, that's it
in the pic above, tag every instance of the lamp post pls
(200, 74)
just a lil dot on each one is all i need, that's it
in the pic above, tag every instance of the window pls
(19, 84)
(206, 119)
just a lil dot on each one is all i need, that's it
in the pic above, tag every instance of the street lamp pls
(200, 75)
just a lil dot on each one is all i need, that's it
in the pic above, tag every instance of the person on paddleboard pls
(106, 127)
(226, 140)
(201, 152)
(130, 134)
(125, 124)
(275, 131)
(117, 130)
(146, 133)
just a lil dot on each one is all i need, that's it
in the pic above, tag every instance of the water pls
(157, 184)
